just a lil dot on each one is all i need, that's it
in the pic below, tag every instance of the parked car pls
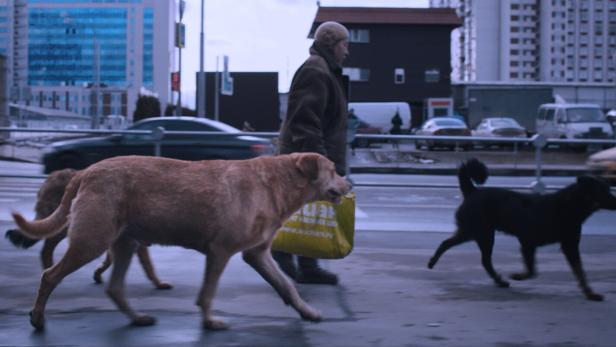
(365, 128)
(498, 127)
(443, 126)
(604, 163)
(82, 152)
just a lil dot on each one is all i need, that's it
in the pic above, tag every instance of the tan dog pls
(47, 200)
(216, 207)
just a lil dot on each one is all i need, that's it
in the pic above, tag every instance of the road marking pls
(359, 213)
(22, 190)
(445, 207)
(8, 200)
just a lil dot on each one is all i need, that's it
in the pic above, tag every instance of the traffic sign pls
(227, 81)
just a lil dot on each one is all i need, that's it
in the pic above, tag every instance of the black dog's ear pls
(588, 180)
(308, 165)
(584, 179)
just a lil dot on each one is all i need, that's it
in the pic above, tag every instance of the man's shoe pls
(316, 276)
(287, 266)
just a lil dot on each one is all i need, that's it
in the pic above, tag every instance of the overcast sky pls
(257, 35)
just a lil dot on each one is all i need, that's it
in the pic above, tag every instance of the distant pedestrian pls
(247, 127)
(316, 121)
(396, 128)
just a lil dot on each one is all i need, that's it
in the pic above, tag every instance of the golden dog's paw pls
(163, 286)
(215, 324)
(143, 321)
(311, 314)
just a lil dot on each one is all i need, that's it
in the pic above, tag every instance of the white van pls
(573, 121)
(379, 114)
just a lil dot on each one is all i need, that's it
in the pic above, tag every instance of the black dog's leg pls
(486, 244)
(528, 254)
(456, 239)
(572, 253)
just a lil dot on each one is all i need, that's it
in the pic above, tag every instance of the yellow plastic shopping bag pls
(319, 230)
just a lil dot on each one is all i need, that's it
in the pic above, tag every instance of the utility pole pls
(201, 96)
(216, 91)
(180, 44)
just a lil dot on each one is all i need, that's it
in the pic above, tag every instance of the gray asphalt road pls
(387, 296)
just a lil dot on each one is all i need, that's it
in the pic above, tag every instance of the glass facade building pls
(77, 46)
(148, 46)
(91, 57)
(5, 25)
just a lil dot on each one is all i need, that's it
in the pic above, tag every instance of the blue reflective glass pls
(61, 45)
(148, 34)
(82, 1)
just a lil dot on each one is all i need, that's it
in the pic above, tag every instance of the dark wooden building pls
(254, 100)
(396, 54)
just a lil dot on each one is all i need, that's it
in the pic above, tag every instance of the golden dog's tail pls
(54, 223)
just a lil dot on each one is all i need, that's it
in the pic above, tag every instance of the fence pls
(538, 143)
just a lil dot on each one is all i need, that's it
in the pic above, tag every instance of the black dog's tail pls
(20, 240)
(471, 171)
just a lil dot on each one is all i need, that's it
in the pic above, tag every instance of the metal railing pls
(538, 142)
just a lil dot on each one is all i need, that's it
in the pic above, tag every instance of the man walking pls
(316, 121)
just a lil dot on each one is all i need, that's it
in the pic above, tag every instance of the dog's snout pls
(333, 192)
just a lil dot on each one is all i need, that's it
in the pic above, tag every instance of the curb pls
(453, 171)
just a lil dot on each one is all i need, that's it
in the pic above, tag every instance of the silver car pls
(498, 127)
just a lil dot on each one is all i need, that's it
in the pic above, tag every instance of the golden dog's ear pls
(308, 165)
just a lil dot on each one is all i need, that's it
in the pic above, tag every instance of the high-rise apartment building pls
(535, 40)
(579, 43)
(92, 57)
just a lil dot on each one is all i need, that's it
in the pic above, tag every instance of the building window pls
(432, 75)
(359, 35)
(399, 77)
(357, 74)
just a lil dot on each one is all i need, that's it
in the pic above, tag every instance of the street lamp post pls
(201, 80)
(179, 38)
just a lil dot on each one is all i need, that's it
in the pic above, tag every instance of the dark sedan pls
(82, 152)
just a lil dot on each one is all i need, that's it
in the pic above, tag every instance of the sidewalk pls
(408, 160)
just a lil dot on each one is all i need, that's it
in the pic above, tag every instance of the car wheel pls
(71, 161)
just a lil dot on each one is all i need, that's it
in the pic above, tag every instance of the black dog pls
(535, 219)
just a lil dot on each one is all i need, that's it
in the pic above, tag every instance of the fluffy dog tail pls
(48, 199)
(54, 223)
(471, 171)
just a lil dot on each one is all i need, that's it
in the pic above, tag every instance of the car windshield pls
(452, 122)
(584, 114)
(504, 123)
